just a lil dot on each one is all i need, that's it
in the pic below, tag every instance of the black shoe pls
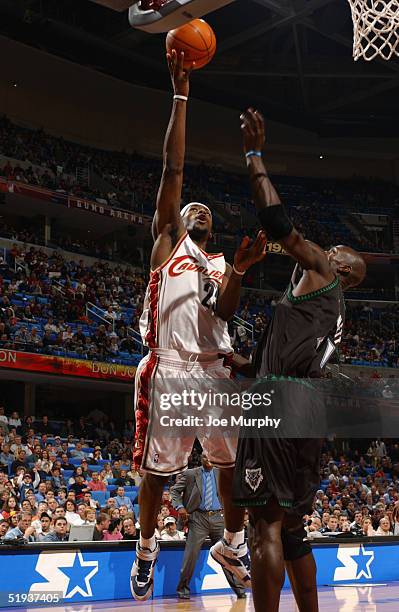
(183, 596)
(241, 595)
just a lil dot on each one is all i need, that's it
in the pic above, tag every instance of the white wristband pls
(178, 97)
(237, 271)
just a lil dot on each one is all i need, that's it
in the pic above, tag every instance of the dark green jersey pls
(304, 332)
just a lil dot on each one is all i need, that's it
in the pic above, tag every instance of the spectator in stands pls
(71, 515)
(42, 508)
(4, 526)
(59, 512)
(89, 516)
(44, 426)
(102, 524)
(60, 531)
(129, 530)
(77, 452)
(24, 528)
(20, 462)
(367, 527)
(78, 487)
(6, 456)
(89, 501)
(10, 506)
(45, 527)
(3, 417)
(65, 465)
(14, 420)
(95, 483)
(332, 526)
(121, 499)
(160, 526)
(113, 533)
(384, 528)
(170, 532)
(395, 519)
(357, 525)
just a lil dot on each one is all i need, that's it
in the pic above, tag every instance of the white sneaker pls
(235, 560)
(141, 575)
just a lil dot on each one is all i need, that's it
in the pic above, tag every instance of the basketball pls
(196, 39)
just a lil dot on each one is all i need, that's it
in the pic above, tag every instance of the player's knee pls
(295, 546)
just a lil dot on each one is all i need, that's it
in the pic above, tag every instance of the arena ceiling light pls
(155, 16)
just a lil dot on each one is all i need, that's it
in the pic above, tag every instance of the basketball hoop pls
(375, 28)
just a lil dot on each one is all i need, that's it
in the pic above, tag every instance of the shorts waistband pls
(185, 359)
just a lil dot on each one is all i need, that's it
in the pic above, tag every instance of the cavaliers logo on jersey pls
(188, 263)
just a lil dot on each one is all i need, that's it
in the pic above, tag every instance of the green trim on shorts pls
(308, 296)
(248, 503)
(280, 378)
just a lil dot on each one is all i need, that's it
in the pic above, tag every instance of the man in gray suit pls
(195, 496)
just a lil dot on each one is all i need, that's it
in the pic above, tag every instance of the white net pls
(375, 28)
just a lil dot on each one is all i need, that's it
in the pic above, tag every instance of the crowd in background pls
(43, 305)
(43, 309)
(130, 181)
(369, 338)
(50, 483)
(51, 480)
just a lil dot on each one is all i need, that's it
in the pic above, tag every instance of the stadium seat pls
(100, 497)
(75, 460)
(95, 468)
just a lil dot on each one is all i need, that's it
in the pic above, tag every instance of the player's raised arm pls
(246, 256)
(270, 209)
(169, 193)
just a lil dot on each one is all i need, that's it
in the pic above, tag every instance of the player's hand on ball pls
(249, 253)
(253, 130)
(179, 75)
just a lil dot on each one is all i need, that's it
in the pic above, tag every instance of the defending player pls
(190, 297)
(301, 337)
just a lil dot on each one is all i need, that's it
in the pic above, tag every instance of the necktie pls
(208, 491)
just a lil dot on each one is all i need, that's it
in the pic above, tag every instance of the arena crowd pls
(50, 480)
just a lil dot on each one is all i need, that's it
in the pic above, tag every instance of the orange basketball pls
(196, 39)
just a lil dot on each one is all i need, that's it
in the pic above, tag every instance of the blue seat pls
(67, 474)
(111, 487)
(95, 468)
(100, 497)
(130, 489)
(75, 460)
(136, 509)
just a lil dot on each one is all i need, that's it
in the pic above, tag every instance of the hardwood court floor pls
(383, 598)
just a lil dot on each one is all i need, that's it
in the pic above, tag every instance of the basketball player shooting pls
(303, 334)
(190, 297)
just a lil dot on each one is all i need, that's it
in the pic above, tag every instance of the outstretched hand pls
(249, 254)
(178, 73)
(253, 130)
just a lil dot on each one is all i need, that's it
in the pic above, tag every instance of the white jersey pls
(179, 306)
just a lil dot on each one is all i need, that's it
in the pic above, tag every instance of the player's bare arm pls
(167, 225)
(269, 206)
(246, 256)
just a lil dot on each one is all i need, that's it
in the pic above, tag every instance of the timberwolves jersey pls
(303, 333)
(179, 307)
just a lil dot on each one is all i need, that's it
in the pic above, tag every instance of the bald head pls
(348, 264)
